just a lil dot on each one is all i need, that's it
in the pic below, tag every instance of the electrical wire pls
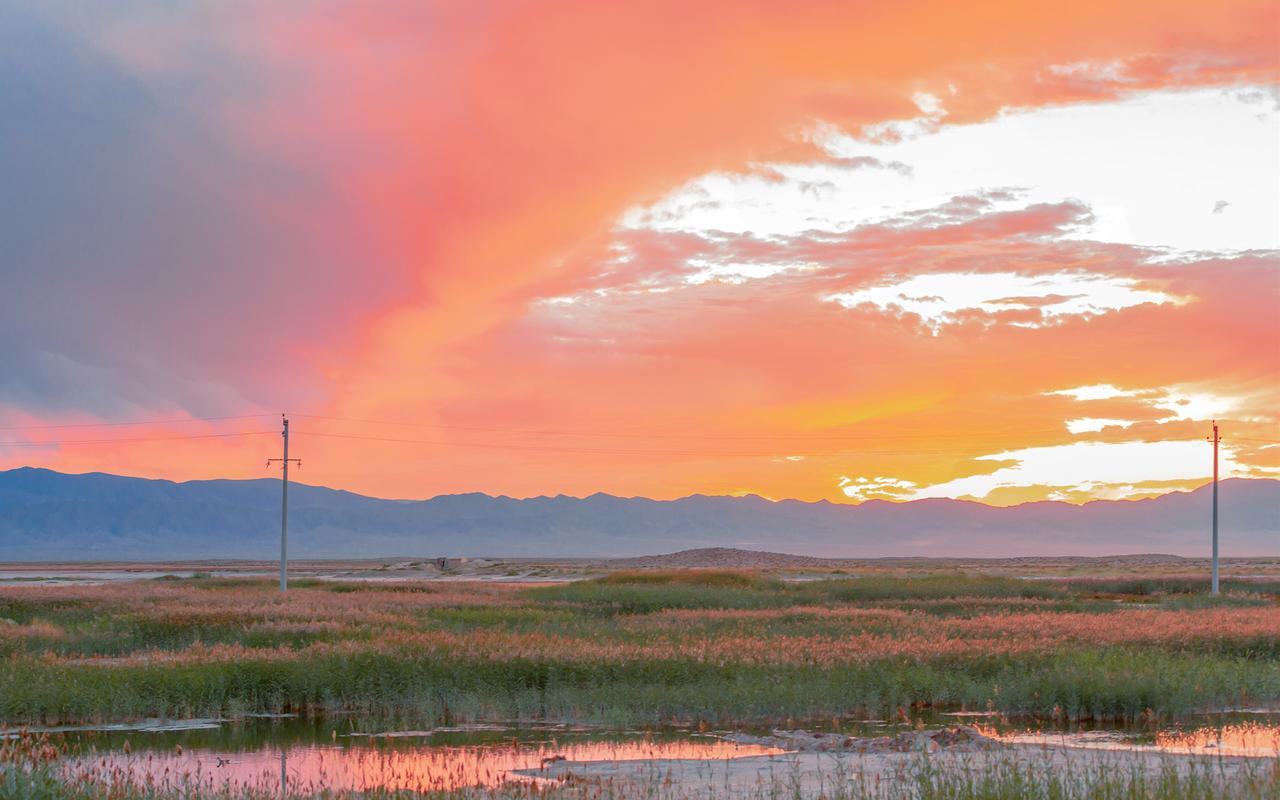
(604, 451)
(136, 439)
(131, 422)
(679, 436)
(540, 432)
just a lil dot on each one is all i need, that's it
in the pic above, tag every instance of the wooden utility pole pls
(1215, 440)
(284, 504)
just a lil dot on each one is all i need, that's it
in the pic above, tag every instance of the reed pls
(643, 647)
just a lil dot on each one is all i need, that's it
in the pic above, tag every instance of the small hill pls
(719, 558)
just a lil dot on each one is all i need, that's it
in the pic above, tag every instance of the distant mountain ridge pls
(47, 515)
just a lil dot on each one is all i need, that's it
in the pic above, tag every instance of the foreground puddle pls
(411, 760)
(306, 755)
(1254, 739)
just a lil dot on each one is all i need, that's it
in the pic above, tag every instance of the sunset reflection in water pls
(1242, 739)
(311, 768)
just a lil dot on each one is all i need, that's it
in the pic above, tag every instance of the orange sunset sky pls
(1003, 251)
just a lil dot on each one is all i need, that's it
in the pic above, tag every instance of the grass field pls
(646, 647)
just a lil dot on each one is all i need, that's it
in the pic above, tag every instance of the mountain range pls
(47, 515)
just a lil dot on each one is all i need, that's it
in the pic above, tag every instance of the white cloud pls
(929, 104)
(1182, 403)
(1112, 71)
(738, 272)
(1088, 466)
(1147, 166)
(1094, 424)
(1194, 406)
(937, 298)
(863, 488)
(1098, 391)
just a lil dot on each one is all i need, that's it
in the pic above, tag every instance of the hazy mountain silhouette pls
(46, 515)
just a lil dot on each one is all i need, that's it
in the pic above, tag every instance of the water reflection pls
(1249, 739)
(1238, 739)
(306, 769)
(300, 756)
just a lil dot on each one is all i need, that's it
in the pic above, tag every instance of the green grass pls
(1146, 587)
(930, 587)
(643, 598)
(359, 664)
(647, 592)
(721, 578)
(1011, 779)
(1104, 684)
(1190, 602)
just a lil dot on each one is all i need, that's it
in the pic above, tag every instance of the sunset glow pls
(843, 251)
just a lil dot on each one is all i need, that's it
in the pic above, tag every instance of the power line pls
(133, 439)
(601, 451)
(497, 445)
(515, 447)
(131, 422)
(976, 437)
(517, 431)
(678, 436)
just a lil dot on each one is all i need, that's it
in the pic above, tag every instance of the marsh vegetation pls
(682, 651)
(651, 647)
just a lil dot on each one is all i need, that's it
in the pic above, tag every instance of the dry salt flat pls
(817, 765)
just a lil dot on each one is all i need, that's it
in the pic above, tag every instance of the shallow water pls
(69, 577)
(1242, 738)
(307, 755)
(312, 753)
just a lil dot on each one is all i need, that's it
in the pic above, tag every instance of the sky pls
(880, 250)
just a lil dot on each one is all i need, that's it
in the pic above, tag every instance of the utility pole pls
(284, 504)
(1215, 440)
